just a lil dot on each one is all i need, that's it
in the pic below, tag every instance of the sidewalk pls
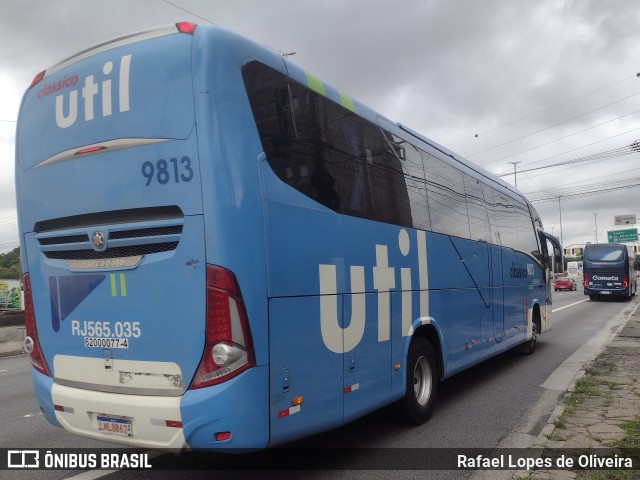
(601, 409)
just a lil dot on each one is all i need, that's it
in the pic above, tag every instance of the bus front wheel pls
(422, 381)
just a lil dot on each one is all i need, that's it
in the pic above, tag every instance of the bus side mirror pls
(636, 265)
(557, 254)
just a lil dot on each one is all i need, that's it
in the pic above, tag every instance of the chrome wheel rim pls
(422, 380)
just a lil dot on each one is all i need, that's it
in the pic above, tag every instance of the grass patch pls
(632, 430)
(630, 442)
(556, 437)
(588, 386)
(560, 422)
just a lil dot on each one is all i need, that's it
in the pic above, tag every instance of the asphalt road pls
(502, 402)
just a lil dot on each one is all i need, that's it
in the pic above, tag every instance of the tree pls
(10, 264)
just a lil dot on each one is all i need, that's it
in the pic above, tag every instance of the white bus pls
(574, 269)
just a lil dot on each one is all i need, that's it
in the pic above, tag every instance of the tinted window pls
(414, 178)
(604, 253)
(447, 202)
(526, 234)
(326, 151)
(477, 209)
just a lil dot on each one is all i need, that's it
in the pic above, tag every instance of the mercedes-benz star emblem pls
(98, 240)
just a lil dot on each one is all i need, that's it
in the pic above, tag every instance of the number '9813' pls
(165, 171)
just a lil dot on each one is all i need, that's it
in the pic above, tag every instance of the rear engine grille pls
(64, 239)
(127, 233)
(117, 252)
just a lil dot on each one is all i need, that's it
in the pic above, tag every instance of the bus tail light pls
(38, 78)
(31, 342)
(228, 346)
(186, 27)
(586, 280)
(625, 280)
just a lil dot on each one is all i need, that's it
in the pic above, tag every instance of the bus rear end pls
(134, 337)
(608, 271)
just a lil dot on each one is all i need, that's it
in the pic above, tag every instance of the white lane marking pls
(29, 415)
(570, 305)
(3, 371)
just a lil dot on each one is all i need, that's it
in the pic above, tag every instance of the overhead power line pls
(617, 152)
(551, 195)
(549, 127)
(484, 132)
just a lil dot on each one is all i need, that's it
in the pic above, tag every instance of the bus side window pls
(447, 203)
(478, 215)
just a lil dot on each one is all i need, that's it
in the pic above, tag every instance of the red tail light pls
(186, 27)
(37, 79)
(625, 280)
(228, 347)
(586, 280)
(31, 343)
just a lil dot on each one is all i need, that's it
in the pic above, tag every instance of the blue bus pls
(221, 251)
(609, 271)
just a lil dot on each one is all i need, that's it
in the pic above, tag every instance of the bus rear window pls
(604, 253)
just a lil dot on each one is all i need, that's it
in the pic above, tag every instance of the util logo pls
(90, 89)
(341, 340)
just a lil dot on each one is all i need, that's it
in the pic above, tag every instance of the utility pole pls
(561, 244)
(595, 219)
(515, 175)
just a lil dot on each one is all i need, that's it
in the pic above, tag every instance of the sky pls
(509, 84)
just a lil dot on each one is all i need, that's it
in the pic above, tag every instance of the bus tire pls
(422, 379)
(530, 345)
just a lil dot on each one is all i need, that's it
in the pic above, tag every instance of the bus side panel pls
(302, 366)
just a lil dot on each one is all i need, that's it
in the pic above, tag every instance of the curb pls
(548, 429)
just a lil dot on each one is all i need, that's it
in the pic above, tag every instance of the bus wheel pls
(530, 346)
(592, 297)
(421, 382)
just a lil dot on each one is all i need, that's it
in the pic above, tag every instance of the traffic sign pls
(625, 219)
(620, 236)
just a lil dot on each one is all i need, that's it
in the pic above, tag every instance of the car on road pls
(564, 283)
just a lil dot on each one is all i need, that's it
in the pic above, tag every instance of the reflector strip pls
(60, 408)
(222, 436)
(289, 411)
(351, 388)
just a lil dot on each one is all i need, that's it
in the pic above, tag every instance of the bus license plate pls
(115, 425)
(606, 293)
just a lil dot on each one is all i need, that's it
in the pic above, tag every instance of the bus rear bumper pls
(237, 409)
(606, 292)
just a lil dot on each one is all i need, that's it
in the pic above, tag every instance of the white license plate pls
(115, 425)
(606, 293)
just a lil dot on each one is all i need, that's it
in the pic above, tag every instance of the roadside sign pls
(624, 219)
(621, 236)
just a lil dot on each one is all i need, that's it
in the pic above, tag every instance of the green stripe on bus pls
(315, 84)
(347, 102)
(123, 285)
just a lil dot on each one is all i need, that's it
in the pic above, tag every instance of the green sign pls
(621, 236)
